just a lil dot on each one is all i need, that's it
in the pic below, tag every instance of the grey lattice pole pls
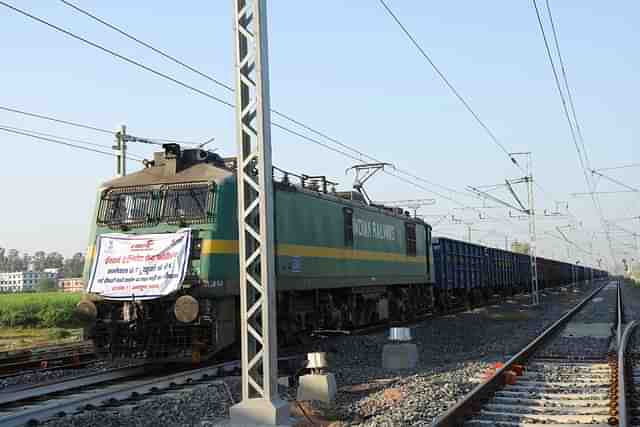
(535, 297)
(260, 401)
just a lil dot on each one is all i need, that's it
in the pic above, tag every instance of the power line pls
(446, 81)
(65, 138)
(53, 119)
(212, 79)
(229, 88)
(117, 55)
(230, 105)
(632, 165)
(217, 99)
(572, 107)
(456, 92)
(78, 125)
(568, 118)
(55, 141)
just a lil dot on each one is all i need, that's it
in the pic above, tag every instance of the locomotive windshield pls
(191, 203)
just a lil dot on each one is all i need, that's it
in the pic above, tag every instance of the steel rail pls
(455, 416)
(12, 396)
(620, 316)
(113, 393)
(623, 412)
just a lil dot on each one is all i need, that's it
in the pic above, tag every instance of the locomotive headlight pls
(186, 309)
(86, 311)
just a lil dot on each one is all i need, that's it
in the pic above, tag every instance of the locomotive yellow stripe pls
(213, 247)
(219, 247)
(230, 247)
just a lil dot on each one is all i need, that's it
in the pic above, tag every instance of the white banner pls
(142, 266)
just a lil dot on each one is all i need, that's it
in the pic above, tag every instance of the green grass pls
(38, 310)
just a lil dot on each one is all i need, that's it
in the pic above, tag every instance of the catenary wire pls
(458, 95)
(199, 91)
(53, 119)
(76, 124)
(55, 141)
(192, 88)
(571, 126)
(229, 88)
(66, 138)
(576, 123)
(444, 78)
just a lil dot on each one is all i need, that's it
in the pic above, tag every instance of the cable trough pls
(568, 375)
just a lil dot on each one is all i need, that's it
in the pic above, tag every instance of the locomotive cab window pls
(410, 236)
(189, 203)
(348, 226)
(127, 207)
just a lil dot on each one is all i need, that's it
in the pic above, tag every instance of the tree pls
(3, 260)
(74, 266)
(520, 247)
(14, 262)
(26, 262)
(38, 261)
(47, 285)
(54, 260)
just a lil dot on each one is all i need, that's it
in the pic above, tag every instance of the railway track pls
(629, 379)
(118, 387)
(46, 358)
(560, 378)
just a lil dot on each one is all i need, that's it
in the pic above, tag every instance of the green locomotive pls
(340, 262)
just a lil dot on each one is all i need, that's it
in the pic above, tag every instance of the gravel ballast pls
(455, 351)
(33, 377)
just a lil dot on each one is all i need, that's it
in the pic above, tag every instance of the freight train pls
(340, 262)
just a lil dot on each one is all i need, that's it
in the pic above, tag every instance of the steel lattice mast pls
(260, 401)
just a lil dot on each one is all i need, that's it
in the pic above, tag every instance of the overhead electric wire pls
(66, 138)
(228, 104)
(229, 88)
(444, 78)
(632, 165)
(615, 181)
(276, 112)
(457, 93)
(287, 117)
(53, 119)
(217, 99)
(55, 141)
(212, 79)
(573, 130)
(78, 125)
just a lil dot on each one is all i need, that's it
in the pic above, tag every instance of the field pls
(33, 319)
(38, 310)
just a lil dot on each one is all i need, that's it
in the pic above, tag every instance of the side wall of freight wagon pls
(458, 264)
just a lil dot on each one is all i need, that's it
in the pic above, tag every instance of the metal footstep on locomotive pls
(568, 375)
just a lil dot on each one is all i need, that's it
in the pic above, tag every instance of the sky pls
(347, 70)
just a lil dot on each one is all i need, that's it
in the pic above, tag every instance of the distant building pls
(23, 281)
(71, 284)
(57, 272)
